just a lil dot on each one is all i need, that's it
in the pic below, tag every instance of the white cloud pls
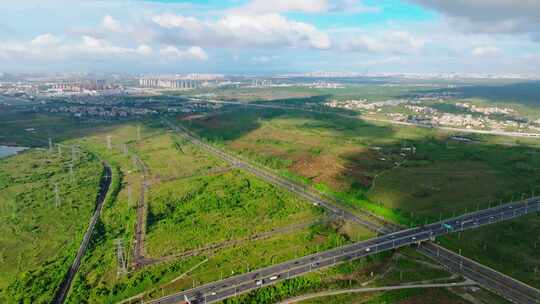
(50, 47)
(243, 31)
(44, 40)
(144, 50)
(192, 53)
(395, 42)
(111, 24)
(483, 51)
(306, 6)
(263, 59)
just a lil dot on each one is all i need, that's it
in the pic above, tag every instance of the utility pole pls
(73, 153)
(50, 145)
(120, 258)
(59, 150)
(71, 172)
(56, 195)
(125, 150)
(138, 133)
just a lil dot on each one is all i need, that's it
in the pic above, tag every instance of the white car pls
(259, 282)
(272, 278)
(368, 249)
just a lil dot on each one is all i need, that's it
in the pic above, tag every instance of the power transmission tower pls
(109, 143)
(71, 176)
(56, 195)
(73, 154)
(120, 259)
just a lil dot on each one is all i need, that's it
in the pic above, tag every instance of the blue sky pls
(261, 36)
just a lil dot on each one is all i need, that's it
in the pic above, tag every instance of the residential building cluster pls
(80, 111)
(485, 110)
(363, 104)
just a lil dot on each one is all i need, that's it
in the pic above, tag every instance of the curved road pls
(63, 289)
(374, 289)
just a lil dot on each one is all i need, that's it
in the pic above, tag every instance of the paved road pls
(105, 183)
(374, 289)
(488, 278)
(233, 286)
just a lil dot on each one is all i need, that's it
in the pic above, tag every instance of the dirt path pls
(139, 258)
(373, 289)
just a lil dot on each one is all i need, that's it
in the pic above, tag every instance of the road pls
(488, 278)
(233, 286)
(374, 289)
(105, 183)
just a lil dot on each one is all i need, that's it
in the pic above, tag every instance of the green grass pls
(187, 171)
(191, 213)
(14, 125)
(39, 240)
(337, 155)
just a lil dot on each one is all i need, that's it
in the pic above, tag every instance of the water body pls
(6, 151)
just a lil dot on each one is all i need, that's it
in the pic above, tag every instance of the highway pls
(105, 183)
(230, 287)
(492, 280)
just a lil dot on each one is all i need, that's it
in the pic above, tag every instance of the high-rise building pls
(169, 83)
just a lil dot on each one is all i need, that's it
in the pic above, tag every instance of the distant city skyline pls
(270, 37)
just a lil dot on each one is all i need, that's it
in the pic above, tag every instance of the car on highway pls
(273, 278)
(368, 249)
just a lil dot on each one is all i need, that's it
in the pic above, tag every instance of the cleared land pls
(39, 235)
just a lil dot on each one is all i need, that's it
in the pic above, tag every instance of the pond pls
(6, 151)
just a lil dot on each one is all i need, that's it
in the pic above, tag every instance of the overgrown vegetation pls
(40, 234)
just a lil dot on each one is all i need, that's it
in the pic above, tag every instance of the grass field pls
(363, 162)
(30, 129)
(38, 239)
(194, 212)
(190, 200)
